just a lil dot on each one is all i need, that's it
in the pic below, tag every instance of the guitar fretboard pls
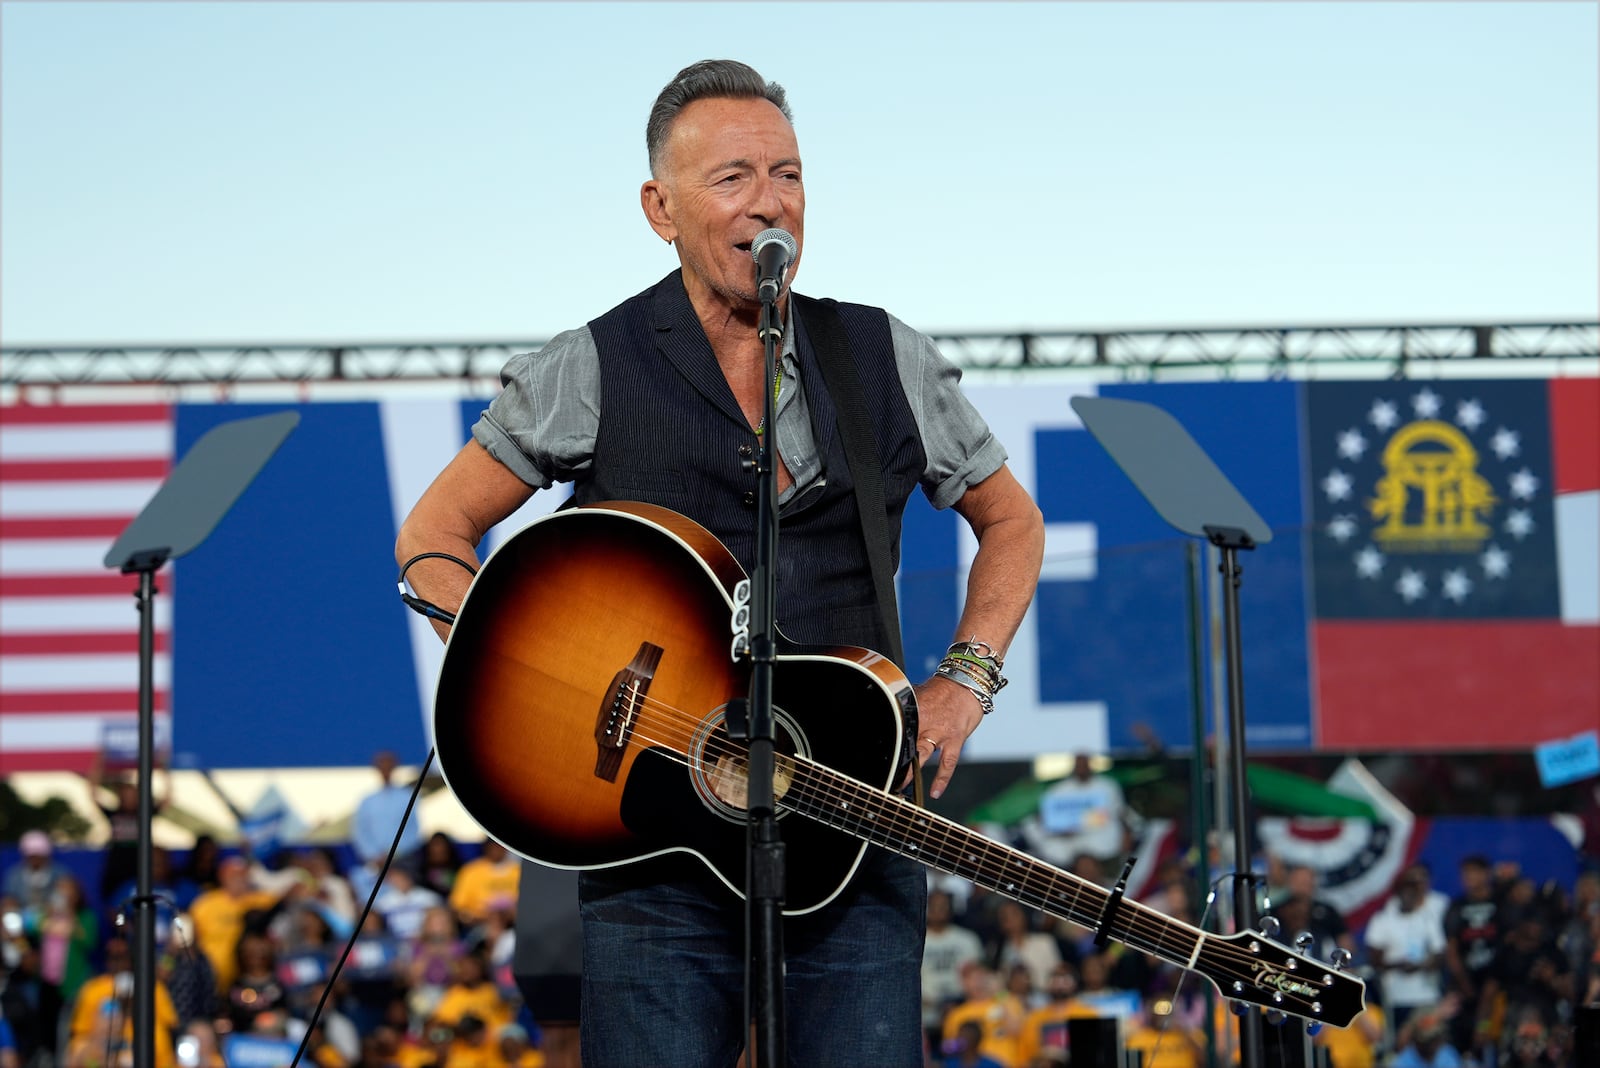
(896, 824)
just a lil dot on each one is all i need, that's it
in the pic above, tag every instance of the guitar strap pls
(838, 366)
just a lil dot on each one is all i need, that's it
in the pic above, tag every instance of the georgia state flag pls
(1454, 561)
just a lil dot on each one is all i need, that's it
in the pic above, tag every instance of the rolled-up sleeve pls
(961, 450)
(543, 423)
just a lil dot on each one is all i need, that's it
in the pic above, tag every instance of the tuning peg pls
(1313, 1029)
(1339, 958)
(1239, 1007)
(1303, 940)
(1269, 926)
(1276, 1017)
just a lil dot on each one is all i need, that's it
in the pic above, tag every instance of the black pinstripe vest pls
(671, 433)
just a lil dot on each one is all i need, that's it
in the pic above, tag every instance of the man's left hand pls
(947, 714)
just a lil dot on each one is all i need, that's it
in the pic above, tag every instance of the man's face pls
(731, 170)
(1063, 984)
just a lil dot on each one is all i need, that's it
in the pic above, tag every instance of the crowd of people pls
(1491, 978)
(246, 951)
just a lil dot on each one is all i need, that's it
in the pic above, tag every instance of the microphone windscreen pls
(768, 236)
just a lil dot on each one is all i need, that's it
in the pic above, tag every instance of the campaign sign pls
(1568, 759)
(372, 958)
(119, 740)
(258, 1051)
(302, 970)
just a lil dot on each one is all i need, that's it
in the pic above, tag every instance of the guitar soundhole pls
(718, 764)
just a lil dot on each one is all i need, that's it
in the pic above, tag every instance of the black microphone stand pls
(1230, 540)
(764, 872)
(181, 515)
(145, 564)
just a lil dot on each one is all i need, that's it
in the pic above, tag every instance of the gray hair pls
(708, 78)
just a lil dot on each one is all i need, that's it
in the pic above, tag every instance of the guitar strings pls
(1144, 925)
(1144, 918)
(832, 795)
(1137, 929)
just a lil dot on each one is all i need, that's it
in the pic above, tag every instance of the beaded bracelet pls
(979, 655)
(973, 664)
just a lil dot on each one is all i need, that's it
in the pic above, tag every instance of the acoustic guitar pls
(581, 718)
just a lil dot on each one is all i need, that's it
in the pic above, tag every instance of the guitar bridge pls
(619, 710)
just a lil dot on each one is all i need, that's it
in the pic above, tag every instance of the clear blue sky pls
(219, 172)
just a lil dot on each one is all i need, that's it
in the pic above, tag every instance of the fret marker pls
(1011, 886)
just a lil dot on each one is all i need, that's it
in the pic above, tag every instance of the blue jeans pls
(663, 970)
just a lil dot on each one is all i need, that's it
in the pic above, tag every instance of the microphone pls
(773, 250)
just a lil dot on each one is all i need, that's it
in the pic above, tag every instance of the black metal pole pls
(1200, 822)
(764, 874)
(144, 956)
(1230, 541)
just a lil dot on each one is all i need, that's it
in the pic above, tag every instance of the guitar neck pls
(899, 826)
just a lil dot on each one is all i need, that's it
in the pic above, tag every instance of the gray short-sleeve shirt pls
(542, 426)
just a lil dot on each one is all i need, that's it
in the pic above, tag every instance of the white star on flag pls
(1524, 484)
(1426, 404)
(1369, 563)
(1383, 414)
(1411, 585)
(1470, 414)
(1457, 585)
(1496, 562)
(1505, 443)
(1336, 485)
(1352, 444)
(1519, 524)
(1341, 528)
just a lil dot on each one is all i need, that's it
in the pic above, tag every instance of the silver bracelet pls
(981, 656)
(967, 682)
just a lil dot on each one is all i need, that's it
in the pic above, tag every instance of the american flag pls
(72, 477)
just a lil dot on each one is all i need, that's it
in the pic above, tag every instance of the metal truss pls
(1288, 351)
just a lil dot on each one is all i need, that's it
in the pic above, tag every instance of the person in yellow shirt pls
(1164, 1039)
(472, 1046)
(486, 884)
(431, 1046)
(219, 917)
(1355, 1046)
(998, 1013)
(1045, 1029)
(514, 1051)
(472, 994)
(102, 1015)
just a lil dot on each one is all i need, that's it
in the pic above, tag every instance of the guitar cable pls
(417, 604)
(377, 885)
(1205, 913)
(431, 611)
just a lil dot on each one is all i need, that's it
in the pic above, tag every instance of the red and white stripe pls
(72, 477)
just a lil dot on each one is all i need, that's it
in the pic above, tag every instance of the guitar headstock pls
(1251, 968)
